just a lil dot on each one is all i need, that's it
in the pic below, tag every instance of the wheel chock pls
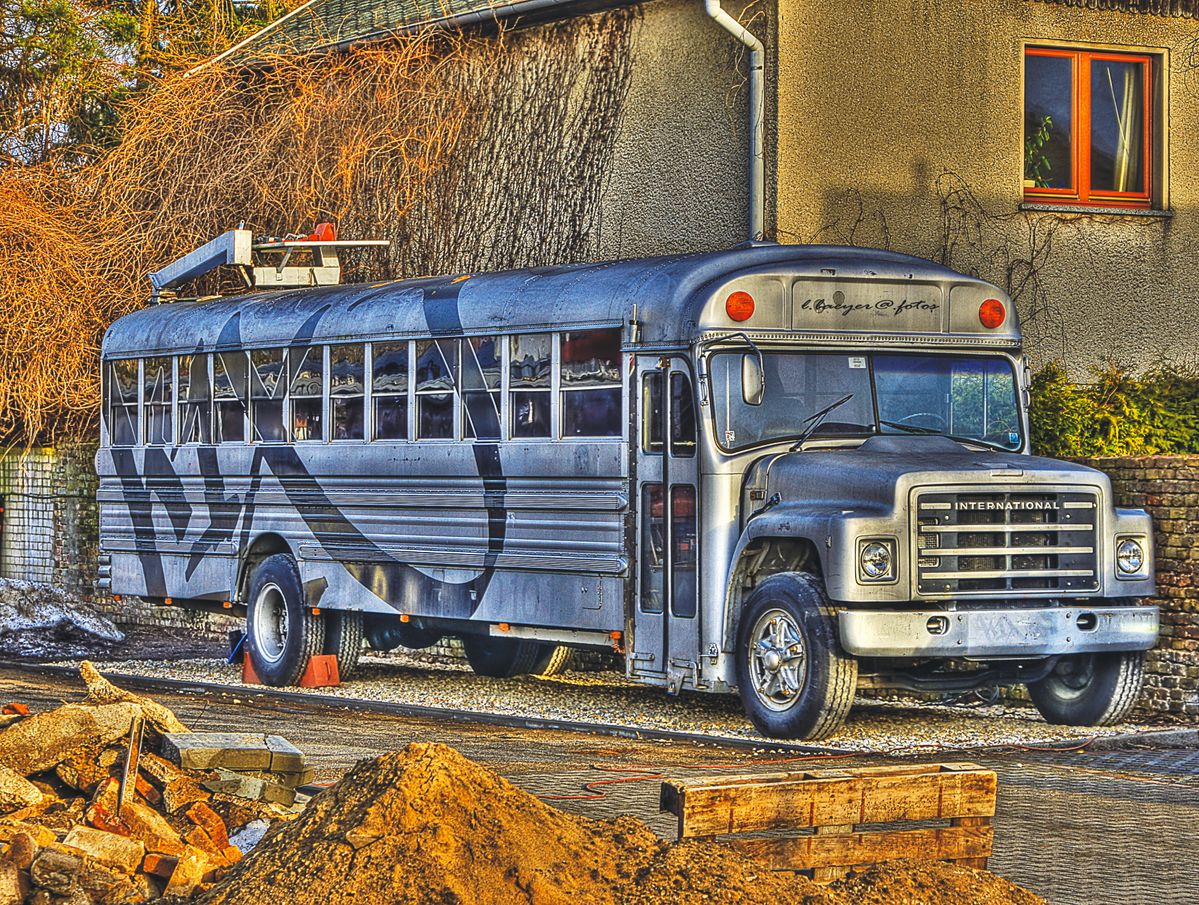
(321, 672)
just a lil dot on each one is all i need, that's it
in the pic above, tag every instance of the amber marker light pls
(992, 313)
(739, 306)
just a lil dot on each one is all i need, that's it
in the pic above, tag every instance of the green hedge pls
(1119, 413)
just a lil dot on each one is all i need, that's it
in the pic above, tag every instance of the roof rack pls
(237, 248)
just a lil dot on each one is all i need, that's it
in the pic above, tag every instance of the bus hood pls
(876, 474)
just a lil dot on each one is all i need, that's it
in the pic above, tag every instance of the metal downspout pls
(757, 115)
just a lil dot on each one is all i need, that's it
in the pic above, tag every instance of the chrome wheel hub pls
(270, 623)
(777, 660)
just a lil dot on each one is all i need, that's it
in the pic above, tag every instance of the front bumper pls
(997, 633)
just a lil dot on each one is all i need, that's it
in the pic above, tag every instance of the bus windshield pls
(972, 398)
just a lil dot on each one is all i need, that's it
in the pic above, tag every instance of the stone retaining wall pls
(1168, 488)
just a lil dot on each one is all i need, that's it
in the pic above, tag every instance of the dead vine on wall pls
(469, 153)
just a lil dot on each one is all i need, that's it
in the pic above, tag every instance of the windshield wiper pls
(817, 418)
(933, 432)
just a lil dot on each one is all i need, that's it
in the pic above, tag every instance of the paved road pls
(1079, 828)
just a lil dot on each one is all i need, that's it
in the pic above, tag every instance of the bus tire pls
(502, 658)
(795, 680)
(555, 659)
(343, 639)
(283, 633)
(1090, 689)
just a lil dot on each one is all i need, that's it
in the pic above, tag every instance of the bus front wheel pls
(1090, 689)
(794, 679)
(284, 634)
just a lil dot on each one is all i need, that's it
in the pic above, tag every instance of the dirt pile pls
(33, 614)
(928, 883)
(92, 813)
(427, 825)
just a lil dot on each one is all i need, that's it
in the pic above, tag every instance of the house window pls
(1088, 127)
(195, 400)
(530, 369)
(436, 388)
(481, 375)
(156, 390)
(122, 402)
(307, 393)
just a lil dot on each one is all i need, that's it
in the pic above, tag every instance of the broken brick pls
(43, 741)
(160, 865)
(21, 851)
(203, 816)
(14, 884)
(109, 849)
(189, 872)
(57, 870)
(16, 792)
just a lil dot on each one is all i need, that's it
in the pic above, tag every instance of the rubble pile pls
(112, 801)
(426, 825)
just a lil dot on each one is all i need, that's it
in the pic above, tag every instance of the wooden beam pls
(826, 851)
(837, 798)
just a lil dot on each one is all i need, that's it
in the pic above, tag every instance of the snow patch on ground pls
(31, 610)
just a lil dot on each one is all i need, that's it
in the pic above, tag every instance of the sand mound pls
(427, 825)
(929, 883)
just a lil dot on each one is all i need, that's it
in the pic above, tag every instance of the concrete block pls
(253, 788)
(209, 750)
(285, 757)
(14, 884)
(17, 792)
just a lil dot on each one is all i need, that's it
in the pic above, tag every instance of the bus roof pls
(673, 295)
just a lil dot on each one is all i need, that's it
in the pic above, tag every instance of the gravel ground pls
(895, 727)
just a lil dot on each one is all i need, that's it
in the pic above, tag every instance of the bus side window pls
(389, 389)
(651, 412)
(591, 383)
(229, 396)
(307, 393)
(682, 416)
(268, 383)
(530, 363)
(122, 402)
(157, 390)
(195, 400)
(481, 387)
(653, 547)
(436, 388)
(347, 390)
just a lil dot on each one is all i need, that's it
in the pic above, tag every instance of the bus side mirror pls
(753, 381)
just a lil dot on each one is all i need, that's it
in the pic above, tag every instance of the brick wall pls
(1168, 488)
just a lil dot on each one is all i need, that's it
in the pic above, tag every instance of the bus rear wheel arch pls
(794, 679)
(283, 633)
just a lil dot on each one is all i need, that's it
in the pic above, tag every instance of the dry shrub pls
(280, 148)
(467, 152)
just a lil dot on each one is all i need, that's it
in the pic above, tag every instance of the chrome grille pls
(1008, 541)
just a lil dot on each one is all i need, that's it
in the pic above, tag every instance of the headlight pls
(1130, 556)
(876, 559)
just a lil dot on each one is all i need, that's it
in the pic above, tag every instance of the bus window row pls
(530, 386)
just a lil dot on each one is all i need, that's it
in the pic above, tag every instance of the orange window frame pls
(1080, 140)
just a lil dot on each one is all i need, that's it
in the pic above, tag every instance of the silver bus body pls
(548, 537)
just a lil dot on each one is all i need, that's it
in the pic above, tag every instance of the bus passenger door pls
(665, 646)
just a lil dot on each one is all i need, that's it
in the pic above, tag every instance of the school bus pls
(787, 471)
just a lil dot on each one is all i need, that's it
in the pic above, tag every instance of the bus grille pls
(1016, 541)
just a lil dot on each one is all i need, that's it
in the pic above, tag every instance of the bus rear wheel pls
(503, 658)
(343, 639)
(283, 633)
(794, 679)
(1090, 689)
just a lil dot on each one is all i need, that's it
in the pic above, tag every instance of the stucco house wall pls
(900, 124)
(679, 173)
